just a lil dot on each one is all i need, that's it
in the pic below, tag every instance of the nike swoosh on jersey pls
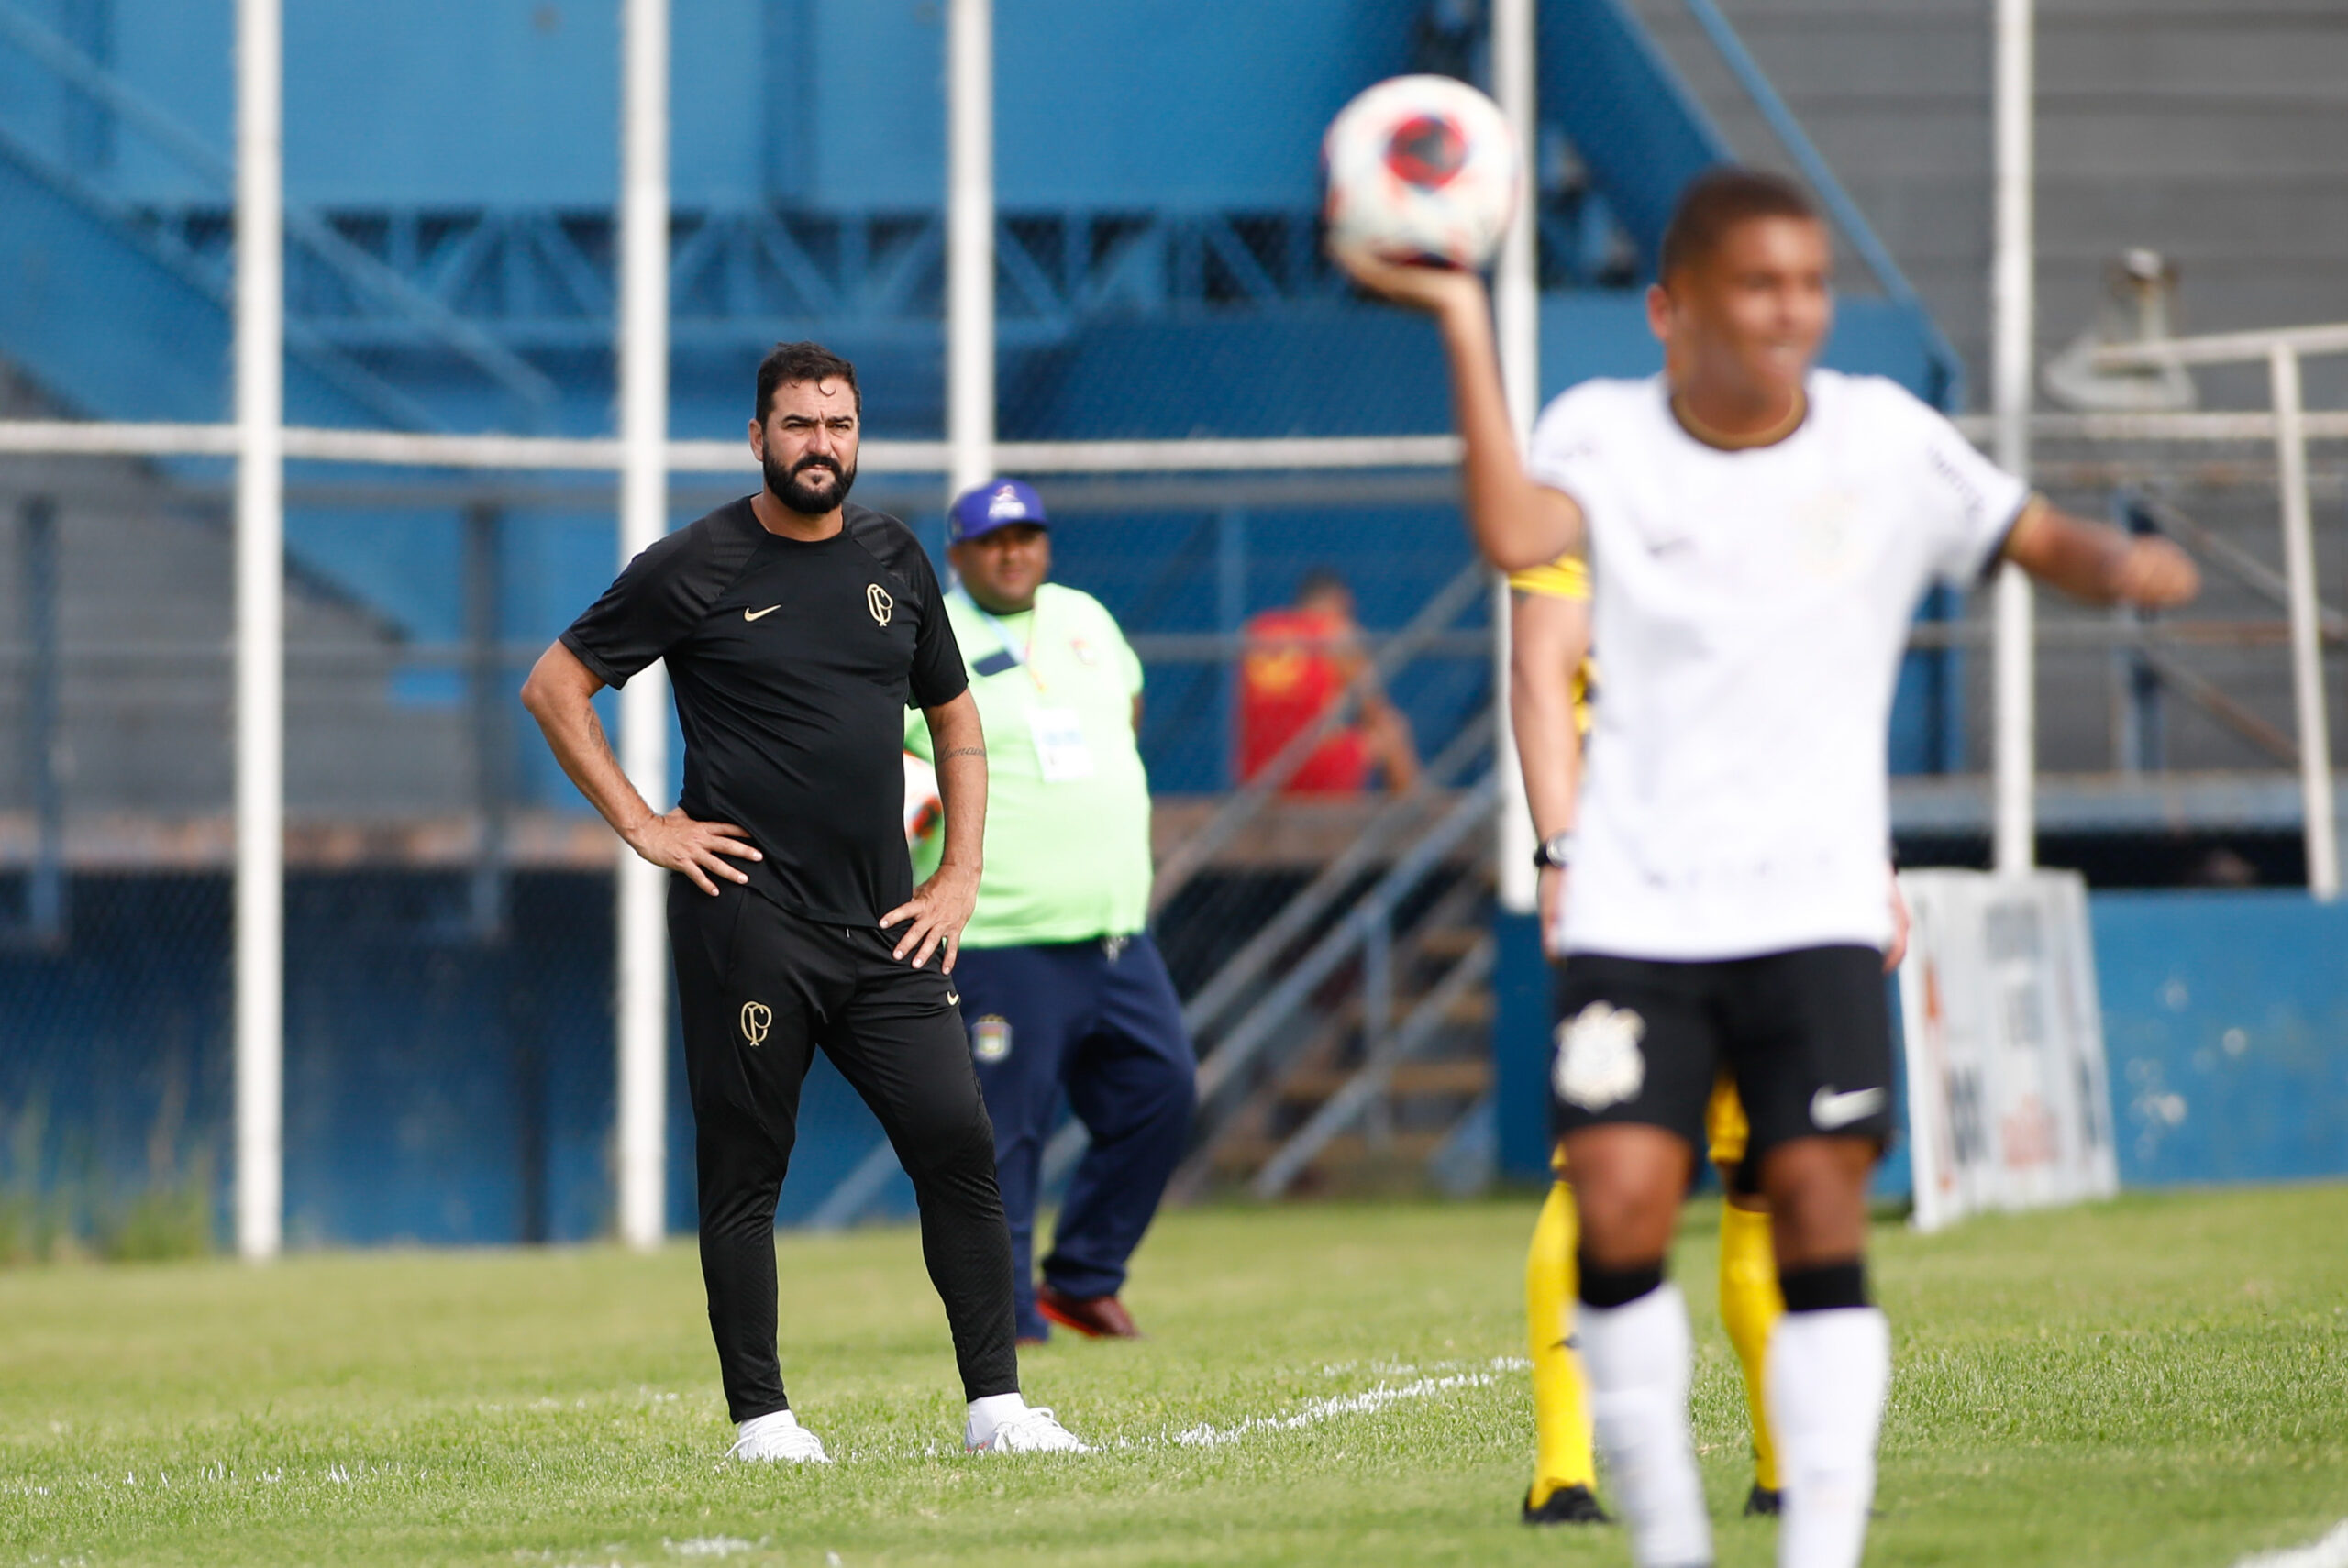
(750, 614)
(1829, 1111)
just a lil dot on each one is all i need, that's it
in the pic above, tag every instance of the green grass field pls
(2156, 1381)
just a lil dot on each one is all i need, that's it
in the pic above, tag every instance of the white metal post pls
(2013, 309)
(969, 244)
(2306, 645)
(1516, 302)
(642, 948)
(261, 631)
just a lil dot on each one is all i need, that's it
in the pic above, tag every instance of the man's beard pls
(786, 486)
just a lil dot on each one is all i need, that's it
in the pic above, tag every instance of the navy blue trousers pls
(1100, 1020)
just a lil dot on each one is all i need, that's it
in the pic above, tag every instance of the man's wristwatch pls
(1554, 853)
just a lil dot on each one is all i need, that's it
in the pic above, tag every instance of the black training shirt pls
(794, 664)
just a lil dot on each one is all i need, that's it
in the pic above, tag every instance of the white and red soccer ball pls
(1423, 169)
(923, 809)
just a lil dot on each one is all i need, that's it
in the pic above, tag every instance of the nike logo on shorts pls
(1829, 1111)
(750, 614)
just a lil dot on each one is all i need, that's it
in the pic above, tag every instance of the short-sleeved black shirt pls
(794, 664)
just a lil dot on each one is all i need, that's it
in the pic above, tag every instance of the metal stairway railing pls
(1251, 1050)
(1370, 1082)
(1248, 803)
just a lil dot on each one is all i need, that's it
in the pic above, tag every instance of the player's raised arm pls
(1516, 521)
(2099, 563)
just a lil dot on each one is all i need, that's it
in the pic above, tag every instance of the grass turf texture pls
(2155, 1381)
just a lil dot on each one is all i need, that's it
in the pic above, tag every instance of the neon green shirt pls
(1067, 801)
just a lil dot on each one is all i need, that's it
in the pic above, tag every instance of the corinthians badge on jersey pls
(877, 600)
(991, 1038)
(1599, 1061)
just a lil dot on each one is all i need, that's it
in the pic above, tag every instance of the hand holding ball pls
(1424, 170)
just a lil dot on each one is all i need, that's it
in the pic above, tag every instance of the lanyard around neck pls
(1024, 656)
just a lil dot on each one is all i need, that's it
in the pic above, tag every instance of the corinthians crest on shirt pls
(991, 1038)
(1599, 1061)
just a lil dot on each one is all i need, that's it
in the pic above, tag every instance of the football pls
(923, 806)
(1423, 169)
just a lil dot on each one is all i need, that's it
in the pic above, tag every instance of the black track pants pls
(762, 990)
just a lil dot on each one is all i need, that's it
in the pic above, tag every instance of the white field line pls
(1368, 1402)
(1424, 1383)
(709, 1546)
(2332, 1551)
(1400, 1384)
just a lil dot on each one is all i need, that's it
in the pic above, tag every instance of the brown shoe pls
(1094, 1316)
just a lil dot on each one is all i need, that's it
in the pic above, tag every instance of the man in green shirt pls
(1060, 985)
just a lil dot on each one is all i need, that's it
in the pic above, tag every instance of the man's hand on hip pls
(675, 842)
(934, 917)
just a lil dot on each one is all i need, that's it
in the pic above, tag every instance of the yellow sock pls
(1560, 1396)
(1750, 1306)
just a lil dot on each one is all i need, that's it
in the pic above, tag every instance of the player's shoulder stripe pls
(707, 553)
(887, 540)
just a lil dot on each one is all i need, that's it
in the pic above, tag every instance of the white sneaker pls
(1030, 1432)
(778, 1439)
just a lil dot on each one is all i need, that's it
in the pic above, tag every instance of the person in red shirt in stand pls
(1299, 662)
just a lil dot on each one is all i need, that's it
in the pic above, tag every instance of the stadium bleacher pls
(454, 269)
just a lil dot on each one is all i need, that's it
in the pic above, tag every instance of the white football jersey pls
(1751, 609)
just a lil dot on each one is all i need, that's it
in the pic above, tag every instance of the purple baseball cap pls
(997, 504)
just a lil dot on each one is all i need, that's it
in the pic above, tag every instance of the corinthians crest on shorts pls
(1599, 1061)
(991, 1038)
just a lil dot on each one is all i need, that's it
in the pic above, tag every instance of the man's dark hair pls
(802, 364)
(1717, 201)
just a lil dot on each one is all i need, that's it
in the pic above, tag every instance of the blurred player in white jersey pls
(1552, 680)
(1758, 533)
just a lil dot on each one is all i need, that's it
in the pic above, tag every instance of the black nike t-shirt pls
(792, 664)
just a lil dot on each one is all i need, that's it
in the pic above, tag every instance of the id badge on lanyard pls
(1061, 753)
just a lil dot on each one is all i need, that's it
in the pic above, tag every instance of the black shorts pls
(1806, 1034)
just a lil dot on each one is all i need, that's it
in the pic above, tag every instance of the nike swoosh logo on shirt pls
(953, 997)
(749, 614)
(1829, 1111)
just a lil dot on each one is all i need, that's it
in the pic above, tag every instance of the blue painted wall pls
(837, 104)
(2225, 1018)
(2225, 1022)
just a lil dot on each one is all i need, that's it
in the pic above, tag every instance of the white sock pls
(773, 1421)
(988, 1414)
(1637, 1357)
(1828, 1373)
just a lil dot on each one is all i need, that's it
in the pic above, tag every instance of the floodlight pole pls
(969, 244)
(2013, 310)
(642, 1006)
(259, 356)
(1516, 309)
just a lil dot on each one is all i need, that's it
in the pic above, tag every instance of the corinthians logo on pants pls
(757, 1018)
